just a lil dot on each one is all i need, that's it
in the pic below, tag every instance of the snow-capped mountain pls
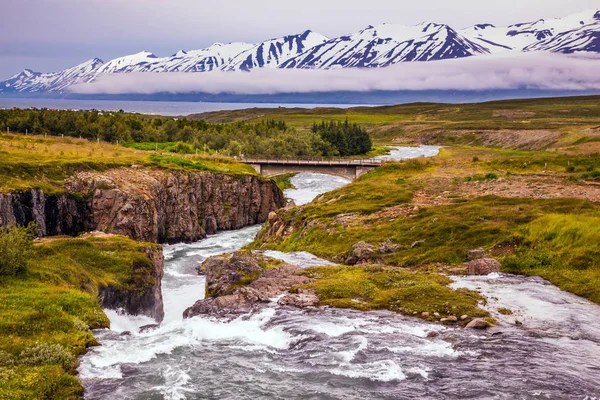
(35, 82)
(532, 36)
(275, 52)
(385, 45)
(373, 47)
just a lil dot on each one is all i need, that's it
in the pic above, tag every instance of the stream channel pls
(286, 353)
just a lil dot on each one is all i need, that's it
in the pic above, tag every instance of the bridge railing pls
(311, 160)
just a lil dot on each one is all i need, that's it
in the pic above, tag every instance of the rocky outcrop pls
(146, 205)
(239, 283)
(475, 254)
(55, 214)
(361, 252)
(142, 295)
(483, 266)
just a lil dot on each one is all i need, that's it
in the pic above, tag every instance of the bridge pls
(348, 169)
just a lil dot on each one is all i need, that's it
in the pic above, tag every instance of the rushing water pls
(404, 153)
(286, 353)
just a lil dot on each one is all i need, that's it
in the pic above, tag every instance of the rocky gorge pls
(149, 205)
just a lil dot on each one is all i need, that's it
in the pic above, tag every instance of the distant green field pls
(568, 116)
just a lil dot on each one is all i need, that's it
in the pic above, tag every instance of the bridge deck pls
(315, 162)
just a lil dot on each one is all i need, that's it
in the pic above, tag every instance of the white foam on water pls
(120, 322)
(299, 258)
(176, 381)
(398, 153)
(382, 371)
(142, 347)
(537, 305)
(422, 371)
(433, 349)
(348, 355)
(309, 185)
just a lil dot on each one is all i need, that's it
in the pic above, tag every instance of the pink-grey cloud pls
(543, 71)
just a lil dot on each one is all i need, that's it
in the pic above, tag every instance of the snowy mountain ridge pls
(373, 47)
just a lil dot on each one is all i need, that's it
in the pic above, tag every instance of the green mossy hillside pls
(48, 311)
(431, 217)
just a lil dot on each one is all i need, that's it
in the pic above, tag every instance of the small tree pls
(16, 245)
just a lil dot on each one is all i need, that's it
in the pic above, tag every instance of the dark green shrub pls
(16, 244)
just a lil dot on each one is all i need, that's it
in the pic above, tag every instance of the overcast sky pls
(49, 35)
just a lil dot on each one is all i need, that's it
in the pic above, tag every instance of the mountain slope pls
(35, 82)
(275, 52)
(530, 36)
(385, 45)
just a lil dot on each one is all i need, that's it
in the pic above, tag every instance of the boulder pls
(225, 306)
(388, 247)
(475, 254)
(483, 266)
(225, 273)
(477, 323)
(238, 284)
(433, 334)
(302, 299)
(361, 252)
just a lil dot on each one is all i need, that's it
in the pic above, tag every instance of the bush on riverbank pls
(16, 245)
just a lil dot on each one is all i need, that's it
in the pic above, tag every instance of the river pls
(284, 353)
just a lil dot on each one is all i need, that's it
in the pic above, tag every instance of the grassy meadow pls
(536, 211)
(526, 124)
(49, 310)
(45, 162)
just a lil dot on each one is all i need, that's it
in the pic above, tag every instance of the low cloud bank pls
(543, 71)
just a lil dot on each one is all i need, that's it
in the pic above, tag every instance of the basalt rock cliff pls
(146, 205)
(142, 295)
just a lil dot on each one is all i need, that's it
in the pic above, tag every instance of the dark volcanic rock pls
(148, 328)
(54, 215)
(146, 300)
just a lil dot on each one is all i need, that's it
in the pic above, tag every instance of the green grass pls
(564, 249)
(448, 123)
(284, 181)
(403, 291)
(557, 238)
(48, 313)
(28, 162)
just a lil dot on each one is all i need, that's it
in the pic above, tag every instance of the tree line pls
(265, 138)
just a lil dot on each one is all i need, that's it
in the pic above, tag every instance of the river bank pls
(334, 353)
